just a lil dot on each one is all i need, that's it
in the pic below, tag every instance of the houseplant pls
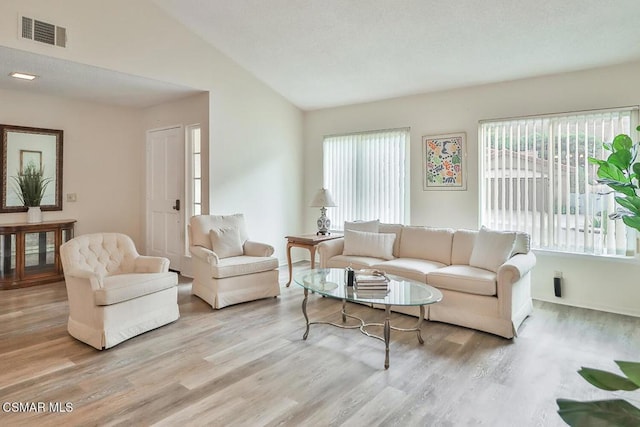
(30, 187)
(621, 173)
(612, 412)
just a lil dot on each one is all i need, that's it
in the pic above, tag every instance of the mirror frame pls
(4, 129)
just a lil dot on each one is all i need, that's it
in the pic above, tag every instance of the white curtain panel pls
(366, 175)
(536, 177)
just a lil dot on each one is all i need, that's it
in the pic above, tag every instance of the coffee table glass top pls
(331, 282)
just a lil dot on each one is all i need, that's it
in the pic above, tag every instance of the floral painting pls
(444, 162)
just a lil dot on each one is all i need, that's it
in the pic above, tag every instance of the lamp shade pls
(322, 199)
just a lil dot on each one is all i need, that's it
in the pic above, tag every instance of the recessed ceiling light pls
(23, 76)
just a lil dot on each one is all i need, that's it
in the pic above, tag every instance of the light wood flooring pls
(248, 365)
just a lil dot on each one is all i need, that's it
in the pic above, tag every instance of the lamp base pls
(323, 223)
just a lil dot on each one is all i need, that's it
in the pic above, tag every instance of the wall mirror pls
(21, 146)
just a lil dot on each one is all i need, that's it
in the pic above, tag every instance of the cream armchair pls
(229, 268)
(114, 293)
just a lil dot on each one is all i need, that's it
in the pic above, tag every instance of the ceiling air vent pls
(43, 32)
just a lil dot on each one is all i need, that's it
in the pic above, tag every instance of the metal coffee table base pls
(363, 325)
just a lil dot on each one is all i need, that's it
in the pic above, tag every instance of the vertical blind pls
(366, 175)
(536, 178)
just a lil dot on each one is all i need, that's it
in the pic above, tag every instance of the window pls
(536, 177)
(366, 175)
(194, 178)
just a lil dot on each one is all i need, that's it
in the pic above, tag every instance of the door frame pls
(182, 178)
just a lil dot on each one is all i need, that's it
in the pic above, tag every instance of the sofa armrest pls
(257, 249)
(77, 276)
(204, 254)
(513, 283)
(516, 267)
(151, 264)
(329, 249)
(80, 273)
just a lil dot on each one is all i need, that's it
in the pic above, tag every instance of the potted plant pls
(621, 173)
(30, 187)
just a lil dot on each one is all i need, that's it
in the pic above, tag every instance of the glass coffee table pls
(331, 282)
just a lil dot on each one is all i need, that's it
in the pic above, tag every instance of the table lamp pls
(323, 200)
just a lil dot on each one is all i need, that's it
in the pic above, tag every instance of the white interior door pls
(165, 194)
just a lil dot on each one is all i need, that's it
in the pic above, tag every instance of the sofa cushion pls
(464, 278)
(395, 229)
(367, 226)
(433, 244)
(522, 244)
(376, 245)
(462, 247)
(492, 248)
(411, 268)
(225, 242)
(124, 287)
(240, 265)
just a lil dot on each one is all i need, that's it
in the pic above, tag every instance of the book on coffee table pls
(371, 293)
(372, 290)
(376, 282)
(371, 276)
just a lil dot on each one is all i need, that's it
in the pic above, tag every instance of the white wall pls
(255, 135)
(102, 154)
(596, 282)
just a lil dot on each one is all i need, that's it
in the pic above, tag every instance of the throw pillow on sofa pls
(492, 248)
(226, 242)
(376, 245)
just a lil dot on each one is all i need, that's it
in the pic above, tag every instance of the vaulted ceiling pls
(323, 53)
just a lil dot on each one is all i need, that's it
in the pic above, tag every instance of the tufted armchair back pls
(104, 254)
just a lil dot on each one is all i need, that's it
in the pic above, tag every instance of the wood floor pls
(248, 365)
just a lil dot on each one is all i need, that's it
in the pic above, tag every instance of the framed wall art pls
(444, 162)
(30, 156)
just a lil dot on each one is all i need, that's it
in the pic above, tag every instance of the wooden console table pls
(306, 241)
(30, 252)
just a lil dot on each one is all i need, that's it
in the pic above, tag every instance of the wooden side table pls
(30, 252)
(306, 241)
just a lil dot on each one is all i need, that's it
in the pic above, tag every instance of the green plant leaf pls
(626, 188)
(614, 412)
(595, 161)
(612, 172)
(631, 370)
(636, 169)
(630, 203)
(607, 380)
(632, 221)
(622, 142)
(607, 146)
(620, 158)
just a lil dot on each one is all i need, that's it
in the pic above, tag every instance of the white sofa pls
(484, 276)
(115, 293)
